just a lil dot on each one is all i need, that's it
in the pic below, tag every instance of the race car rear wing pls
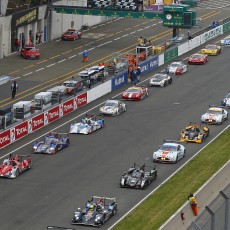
(58, 135)
(217, 106)
(100, 199)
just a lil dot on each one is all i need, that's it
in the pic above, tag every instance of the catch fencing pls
(216, 215)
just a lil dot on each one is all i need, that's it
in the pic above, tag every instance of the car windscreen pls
(112, 104)
(136, 174)
(69, 84)
(214, 111)
(197, 56)
(69, 32)
(168, 147)
(133, 90)
(174, 65)
(159, 76)
(211, 47)
(30, 49)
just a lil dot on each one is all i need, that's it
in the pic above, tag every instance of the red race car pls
(135, 93)
(30, 52)
(71, 35)
(13, 166)
(198, 59)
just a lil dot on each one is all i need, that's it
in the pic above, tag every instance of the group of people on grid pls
(32, 40)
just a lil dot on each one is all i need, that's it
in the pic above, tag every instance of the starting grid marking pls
(213, 4)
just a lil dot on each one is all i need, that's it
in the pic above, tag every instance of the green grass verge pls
(163, 203)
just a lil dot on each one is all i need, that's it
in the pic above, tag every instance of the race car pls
(160, 79)
(113, 108)
(215, 115)
(71, 35)
(96, 212)
(194, 133)
(88, 125)
(211, 49)
(177, 68)
(226, 100)
(170, 152)
(73, 86)
(135, 93)
(198, 59)
(30, 52)
(225, 41)
(138, 177)
(52, 143)
(15, 165)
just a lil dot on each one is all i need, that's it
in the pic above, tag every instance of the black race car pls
(97, 211)
(138, 177)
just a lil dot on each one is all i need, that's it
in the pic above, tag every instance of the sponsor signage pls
(68, 107)
(4, 138)
(53, 114)
(38, 122)
(226, 27)
(81, 100)
(170, 54)
(20, 130)
(150, 65)
(119, 80)
(212, 33)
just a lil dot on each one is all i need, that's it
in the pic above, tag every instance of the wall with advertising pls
(119, 80)
(149, 65)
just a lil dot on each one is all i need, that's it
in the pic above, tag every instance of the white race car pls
(214, 115)
(225, 41)
(160, 79)
(113, 108)
(177, 68)
(169, 152)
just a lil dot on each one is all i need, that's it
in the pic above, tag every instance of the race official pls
(14, 89)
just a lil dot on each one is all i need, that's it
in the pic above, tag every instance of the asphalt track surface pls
(93, 164)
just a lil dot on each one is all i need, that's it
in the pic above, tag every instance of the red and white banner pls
(20, 130)
(81, 100)
(37, 122)
(68, 107)
(53, 114)
(4, 138)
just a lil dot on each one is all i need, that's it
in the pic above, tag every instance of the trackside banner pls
(4, 138)
(149, 65)
(120, 80)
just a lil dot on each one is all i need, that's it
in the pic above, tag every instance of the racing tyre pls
(176, 159)
(170, 81)
(113, 212)
(29, 166)
(17, 173)
(164, 84)
(147, 94)
(125, 109)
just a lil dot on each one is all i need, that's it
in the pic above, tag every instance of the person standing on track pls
(85, 55)
(14, 89)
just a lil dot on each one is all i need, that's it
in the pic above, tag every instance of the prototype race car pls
(211, 49)
(169, 152)
(177, 68)
(97, 211)
(198, 59)
(215, 115)
(88, 125)
(30, 52)
(135, 93)
(137, 177)
(13, 166)
(160, 79)
(225, 41)
(226, 100)
(193, 133)
(71, 35)
(113, 108)
(51, 143)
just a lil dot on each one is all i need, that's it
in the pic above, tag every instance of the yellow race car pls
(211, 49)
(194, 133)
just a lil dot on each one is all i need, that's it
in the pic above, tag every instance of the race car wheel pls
(170, 81)
(176, 159)
(113, 212)
(164, 84)
(17, 173)
(147, 94)
(29, 165)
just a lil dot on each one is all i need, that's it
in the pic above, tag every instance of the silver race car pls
(113, 108)
(160, 79)
(169, 152)
(226, 100)
(177, 68)
(215, 115)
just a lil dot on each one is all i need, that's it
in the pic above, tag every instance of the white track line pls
(72, 56)
(61, 60)
(39, 69)
(27, 74)
(51, 65)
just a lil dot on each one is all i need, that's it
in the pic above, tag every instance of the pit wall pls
(28, 126)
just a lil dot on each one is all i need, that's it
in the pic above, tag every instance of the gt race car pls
(71, 35)
(138, 177)
(177, 68)
(15, 165)
(214, 115)
(96, 212)
(136, 93)
(30, 52)
(226, 100)
(198, 59)
(113, 108)
(211, 49)
(170, 152)
(194, 133)
(52, 143)
(160, 79)
(87, 125)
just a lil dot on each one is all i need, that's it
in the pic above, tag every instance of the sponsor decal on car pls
(4, 138)
(21, 130)
(38, 122)
(68, 106)
(81, 100)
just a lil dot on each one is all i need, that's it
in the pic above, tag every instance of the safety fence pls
(216, 215)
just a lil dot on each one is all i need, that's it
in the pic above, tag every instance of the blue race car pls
(51, 143)
(226, 100)
(97, 211)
